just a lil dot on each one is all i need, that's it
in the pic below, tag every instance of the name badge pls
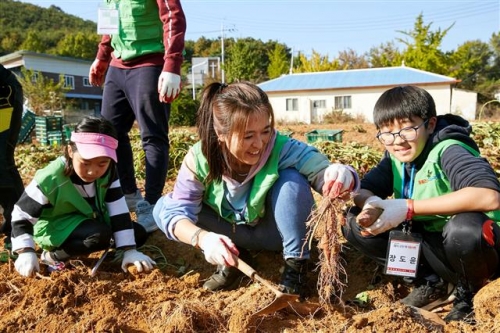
(403, 253)
(108, 21)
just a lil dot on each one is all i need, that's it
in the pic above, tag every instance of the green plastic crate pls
(49, 123)
(324, 135)
(27, 125)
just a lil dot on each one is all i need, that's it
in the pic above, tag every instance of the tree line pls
(475, 63)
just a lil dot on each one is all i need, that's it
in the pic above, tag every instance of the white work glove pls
(27, 263)
(140, 260)
(371, 199)
(218, 249)
(339, 181)
(169, 86)
(394, 213)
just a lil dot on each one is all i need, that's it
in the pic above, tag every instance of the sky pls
(325, 26)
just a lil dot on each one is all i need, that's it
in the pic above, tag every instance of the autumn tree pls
(350, 59)
(42, 93)
(384, 55)
(278, 61)
(317, 63)
(423, 47)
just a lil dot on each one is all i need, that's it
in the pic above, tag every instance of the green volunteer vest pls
(429, 182)
(140, 31)
(68, 209)
(262, 182)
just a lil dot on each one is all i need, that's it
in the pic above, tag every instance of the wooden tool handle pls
(251, 273)
(245, 268)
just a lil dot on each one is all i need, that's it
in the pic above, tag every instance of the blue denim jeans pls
(283, 228)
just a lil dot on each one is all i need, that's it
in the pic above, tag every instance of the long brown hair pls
(224, 110)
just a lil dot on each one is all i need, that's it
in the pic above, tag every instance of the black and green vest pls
(140, 31)
(430, 181)
(68, 208)
(262, 182)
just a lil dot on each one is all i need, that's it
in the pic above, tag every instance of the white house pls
(307, 97)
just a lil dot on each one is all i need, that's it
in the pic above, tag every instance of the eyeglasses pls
(407, 134)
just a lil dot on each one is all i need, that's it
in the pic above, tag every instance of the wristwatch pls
(195, 238)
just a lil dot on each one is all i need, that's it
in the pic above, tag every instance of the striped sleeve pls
(119, 215)
(26, 213)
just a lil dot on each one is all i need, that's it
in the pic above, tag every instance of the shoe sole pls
(447, 299)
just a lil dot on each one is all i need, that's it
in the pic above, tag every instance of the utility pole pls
(222, 51)
(223, 78)
(291, 63)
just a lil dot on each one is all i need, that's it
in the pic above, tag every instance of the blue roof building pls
(307, 97)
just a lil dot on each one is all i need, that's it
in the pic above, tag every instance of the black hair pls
(224, 110)
(403, 102)
(90, 124)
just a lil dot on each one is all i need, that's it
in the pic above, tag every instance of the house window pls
(320, 104)
(342, 102)
(34, 77)
(69, 81)
(292, 104)
(86, 82)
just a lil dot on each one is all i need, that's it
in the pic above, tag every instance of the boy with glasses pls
(429, 210)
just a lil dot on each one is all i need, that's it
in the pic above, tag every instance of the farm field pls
(170, 299)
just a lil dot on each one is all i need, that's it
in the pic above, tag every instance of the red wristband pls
(411, 211)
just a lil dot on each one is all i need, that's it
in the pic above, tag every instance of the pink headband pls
(92, 145)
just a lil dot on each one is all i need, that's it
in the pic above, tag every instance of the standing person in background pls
(143, 64)
(11, 110)
(75, 206)
(244, 186)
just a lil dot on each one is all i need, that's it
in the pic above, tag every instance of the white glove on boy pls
(394, 213)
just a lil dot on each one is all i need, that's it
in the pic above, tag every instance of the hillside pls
(45, 26)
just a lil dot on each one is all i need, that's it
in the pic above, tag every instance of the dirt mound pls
(170, 299)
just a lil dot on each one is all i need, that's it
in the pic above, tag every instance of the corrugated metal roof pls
(370, 77)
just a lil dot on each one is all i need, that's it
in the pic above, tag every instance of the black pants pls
(11, 105)
(132, 95)
(458, 253)
(91, 236)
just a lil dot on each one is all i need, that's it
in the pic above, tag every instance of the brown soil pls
(170, 299)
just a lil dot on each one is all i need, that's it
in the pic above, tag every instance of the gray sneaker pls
(144, 212)
(430, 295)
(133, 199)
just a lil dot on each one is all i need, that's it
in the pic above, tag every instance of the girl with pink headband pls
(75, 206)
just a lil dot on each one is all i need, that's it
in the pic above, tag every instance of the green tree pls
(78, 45)
(241, 64)
(43, 93)
(33, 42)
(469, 62)
(183, 110)
(422, 50)
(279, 63)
